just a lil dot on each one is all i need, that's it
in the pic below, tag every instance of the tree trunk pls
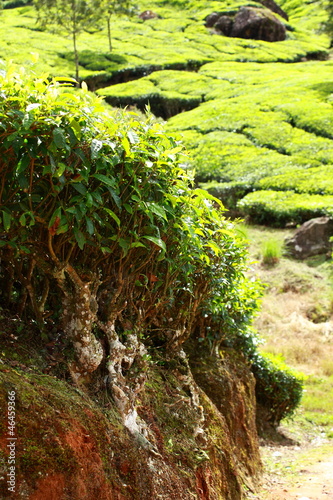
(76, 59)
(109, 33)
(79, 317)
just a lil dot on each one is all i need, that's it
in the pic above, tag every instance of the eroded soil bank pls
(196, 441)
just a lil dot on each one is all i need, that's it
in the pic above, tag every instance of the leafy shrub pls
(101, 233)
(278, 388)
(277, 208)
(142, 93)
(12, 4)
(315, 180)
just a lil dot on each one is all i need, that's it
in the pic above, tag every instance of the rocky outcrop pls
(312, 238)
(249, 22)
(221, 378)
(257, 24)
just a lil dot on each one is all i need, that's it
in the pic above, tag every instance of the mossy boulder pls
(249, 22)
(258, 24)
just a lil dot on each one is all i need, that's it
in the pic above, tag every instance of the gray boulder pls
(212, 19)
(224, 24)
(258, 24)
(148, 14)
(311, 238)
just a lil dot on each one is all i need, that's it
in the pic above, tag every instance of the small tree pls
(327, 26)
(118, 8)
(71, 17)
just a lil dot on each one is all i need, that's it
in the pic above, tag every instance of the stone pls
(258, 24)
(148, 14)
(212, 19)
(224, 24)
(311, 238)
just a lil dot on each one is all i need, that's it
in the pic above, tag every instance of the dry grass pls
(296, 320)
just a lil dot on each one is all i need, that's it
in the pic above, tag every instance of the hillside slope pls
(256, 115)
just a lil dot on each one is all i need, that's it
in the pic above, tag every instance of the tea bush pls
(278, 388)
(102, 236)
(277, 208)
(100, 230)
(315, 180)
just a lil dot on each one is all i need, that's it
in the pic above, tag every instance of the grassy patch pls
(295, 321)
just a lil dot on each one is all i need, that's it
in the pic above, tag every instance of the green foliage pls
(327, 25)
(12, 4)
(278, 388)
(98, 202)
(271, 252)
(313, 180)
(277, 208)
(142, 44)
(143, 93)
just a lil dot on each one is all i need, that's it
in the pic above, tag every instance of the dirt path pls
(314, 482)
(295, 471)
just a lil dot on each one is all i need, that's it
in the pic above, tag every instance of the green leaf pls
(97, 195)
(79, 212)
(124, 243)
(23, 220)
(133, 137)
(7, 219)
(23, 164)
(128, 208)
(137, 244)
(109, 181)
(56, 214)
(126, 145)
(157, 241)
(115, 197)
(157, 210)
(60, 170)
(59, 138)
(76, 128)
(79, 236)
(113, 215)
(62, 229)
(90, 200)
(79, 187)
(216, 249)
(203, 194)
(90, 226)
(82, 157)
(27, 120)
(95, 147)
